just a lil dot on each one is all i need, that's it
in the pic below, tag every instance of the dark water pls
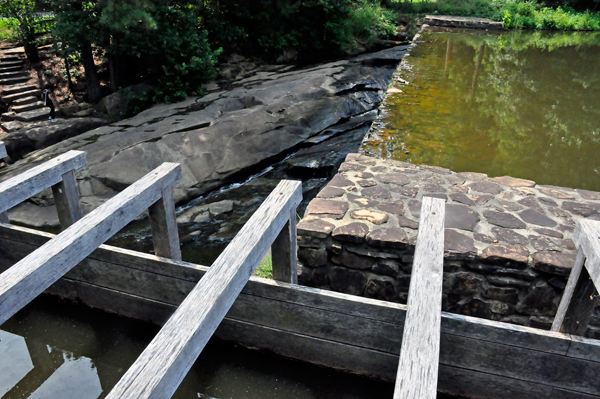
(523, 104)
(56, 350)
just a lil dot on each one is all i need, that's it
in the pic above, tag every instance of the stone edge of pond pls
(508, 241)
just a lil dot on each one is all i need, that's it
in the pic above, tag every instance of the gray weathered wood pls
(478, 358)
(4, 217)
(32, 275)
(580, 296)
(3, 153)
(67, 201)
(284, 252)
(419, 357)
(164, 363)
(31, 182)
(164, 226)
(565, 302)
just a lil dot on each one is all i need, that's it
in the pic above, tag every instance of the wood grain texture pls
(3, 153)
(478, 358)
(587, 237)
(565, 301)
(66, 196)
(164, 226)
(581, 308)
(164, 363)
(284, 252)
(4, 217)
(31, 182)
(419, 357)
(36, 272)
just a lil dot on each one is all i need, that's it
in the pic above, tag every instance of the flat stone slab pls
(501, 221)
(462, 22)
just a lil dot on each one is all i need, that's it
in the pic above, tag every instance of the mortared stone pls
(352, 232)
(458, 243)
(533, 217)
(531, 202)
(315, 227)
(501, 254)
(513, 181)
(376, 193)
(340, 181)
(552, 192)
(327, 208)
(462, 198)
(393, 178)
(509, 236)
(365, 202)
(367, 183)
(392, 238)
(460, 217)
(331, 192)
(481, 199)
(486, 187)
(589, 195)
(473, 176)
(406, 222)
(550, 233)
(554, 262)
(504, 219)
(370, 216)
(350, 167)
(584, 209)
(407, 191)
(393, 207)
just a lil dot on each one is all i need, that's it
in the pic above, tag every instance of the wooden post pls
(166, 360)
(420, 350)
(3, 154)
(581, 293)
(36, 272)
(284, 252)
(164, 226)
(33, 181)
(66, 196)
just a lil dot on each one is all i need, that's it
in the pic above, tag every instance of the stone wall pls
(508, 247)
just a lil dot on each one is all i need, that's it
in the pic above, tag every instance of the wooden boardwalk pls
(423, 349)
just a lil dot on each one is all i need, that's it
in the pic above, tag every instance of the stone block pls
(508, 255)
(554, 262)
(465, 283)
(387, 237)
(541, 300)
(504, 219)
(381, 287)
(313, 227)
(352, 232)
(503, 294)
(346, 280)
(312, 257)
(327, 208)
(353, 261)
(370, 216)
(513, 181)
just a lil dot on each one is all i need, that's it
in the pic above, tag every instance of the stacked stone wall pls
(508, 247)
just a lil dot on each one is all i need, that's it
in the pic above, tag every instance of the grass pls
(518, 14)
(7, 29)
(265, 268)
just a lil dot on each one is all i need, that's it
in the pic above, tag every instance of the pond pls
(55, 350)
(518, 103)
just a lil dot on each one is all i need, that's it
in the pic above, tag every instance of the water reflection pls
(524, 104)
(30, 369)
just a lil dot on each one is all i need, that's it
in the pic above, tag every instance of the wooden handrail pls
(58, 174)
(580, 296)
(35, 273)
(419, 355)
(164, 363)
(3, 153)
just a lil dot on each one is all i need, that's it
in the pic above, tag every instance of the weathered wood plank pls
(67, 201)
(31, 182)
(583, 302)
(4, 218)
(164, 363)
(565, 301)
(587, 237)
(419, 358)
(284, 252)
(32, 275)
(3, 153)
(164, 226)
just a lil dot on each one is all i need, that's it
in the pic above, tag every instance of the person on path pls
(49, 103)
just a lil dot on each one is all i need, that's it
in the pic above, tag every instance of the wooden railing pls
(58, 173)
(35, 273)
(3, 153)
(419, 357)
(164, 363)
(580, 296)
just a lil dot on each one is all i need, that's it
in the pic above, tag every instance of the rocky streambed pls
(234, 144)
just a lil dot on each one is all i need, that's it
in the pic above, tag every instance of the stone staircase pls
(18, 92)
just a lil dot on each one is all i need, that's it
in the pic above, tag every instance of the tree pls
(26, 14)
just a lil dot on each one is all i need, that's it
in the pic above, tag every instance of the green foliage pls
(7, 29)
(312, 27)
(25, 23)
(520, 14)
(265, 268)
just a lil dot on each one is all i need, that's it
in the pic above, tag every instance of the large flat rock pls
(215, 137)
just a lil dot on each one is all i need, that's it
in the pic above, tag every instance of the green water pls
(523, 104)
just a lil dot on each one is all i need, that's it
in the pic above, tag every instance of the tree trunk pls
(91, 76)
(31, 51)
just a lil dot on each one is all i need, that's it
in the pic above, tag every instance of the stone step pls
(7, 91)
(13, 126)
(10, 75)
(9, 116)
(26, 100)
(37, 115)
(14, 81)
(11, 63)
(14, 97)
(14, 68)
(6, 58)
(15, 50)
(28, 107)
